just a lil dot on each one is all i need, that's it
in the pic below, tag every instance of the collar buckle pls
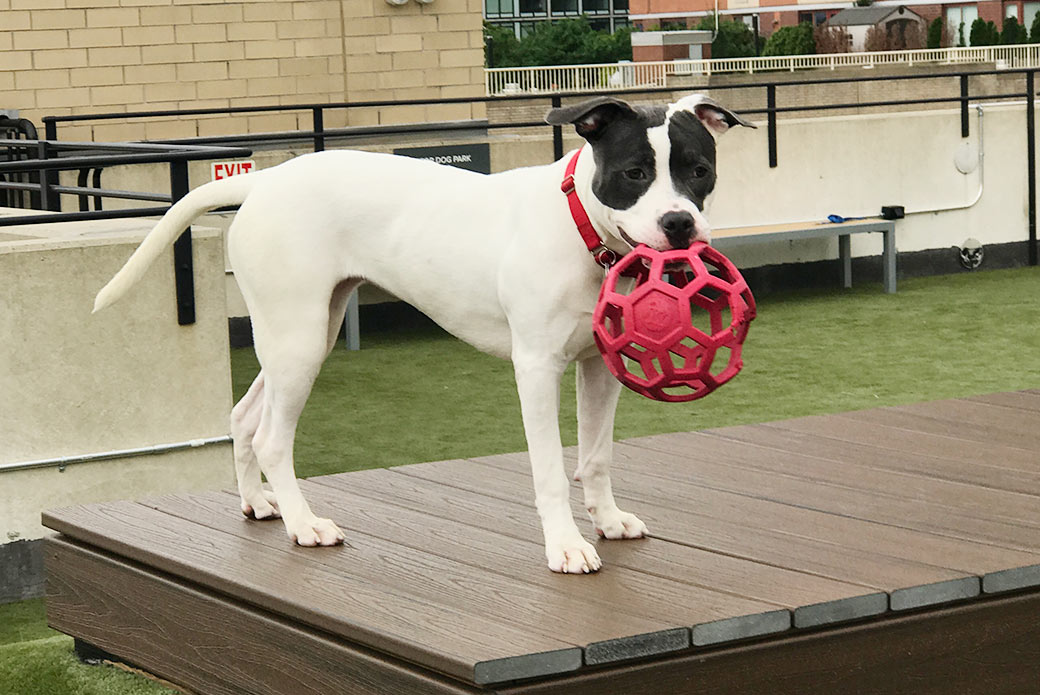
(568, 184)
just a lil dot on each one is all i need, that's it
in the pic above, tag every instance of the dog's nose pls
(678, 228)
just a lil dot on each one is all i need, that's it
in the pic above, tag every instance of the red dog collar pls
(604, 256)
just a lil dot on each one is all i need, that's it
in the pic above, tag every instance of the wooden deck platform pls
(886, 551)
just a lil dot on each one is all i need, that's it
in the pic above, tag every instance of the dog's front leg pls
(538, 384)
(597, 400)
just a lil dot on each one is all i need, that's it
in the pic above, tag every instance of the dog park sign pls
(222, 170)
(475, 157)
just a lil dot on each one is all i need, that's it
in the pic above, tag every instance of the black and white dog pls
(496, 260)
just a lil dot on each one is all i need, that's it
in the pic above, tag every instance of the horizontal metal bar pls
(55, 217)
(62, 461)
(86, 190)
(116, 160)
(160, 146)
(107, 193)
(513, 97)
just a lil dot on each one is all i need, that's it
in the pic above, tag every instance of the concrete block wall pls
(59, 57)
(76, 384)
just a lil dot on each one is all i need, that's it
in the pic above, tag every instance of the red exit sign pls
(222, 170)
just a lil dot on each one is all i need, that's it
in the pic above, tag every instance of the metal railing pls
(45, 158)
(179, 155)
(17, 129)
(620, 76)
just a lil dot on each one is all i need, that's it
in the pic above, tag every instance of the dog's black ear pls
(590, 118)
(715, 117)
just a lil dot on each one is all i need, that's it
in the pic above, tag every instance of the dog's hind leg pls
(245, 418)
(291, 343)
(597, 400)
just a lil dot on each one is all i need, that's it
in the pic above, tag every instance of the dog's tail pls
(229, 191)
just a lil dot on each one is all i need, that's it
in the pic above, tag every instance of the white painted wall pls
(73, 383)
(852, 165)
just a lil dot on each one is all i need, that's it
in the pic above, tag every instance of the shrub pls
(982, 33)
(1034, 29)
(789, 41)
(935, 33)
(734, 40)
(1013, 32)
(566, 42)
(832, 40)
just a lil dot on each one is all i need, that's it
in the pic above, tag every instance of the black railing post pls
(42, 151)
(557, 133)
(81, 181)
(319, 128)
(964, 106)
(1031, 163)
(49, 177)
(771, 120)
(183, 272)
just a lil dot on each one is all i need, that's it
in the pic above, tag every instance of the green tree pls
(734, 40)
(567, 42)
(960, 36)
(993, 34)
(1034, 29)
(983, 33)
(788, 41)
(501, 48)
(1013, 32)
(935, 33)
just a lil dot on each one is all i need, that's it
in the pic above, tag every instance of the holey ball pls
(671, 324)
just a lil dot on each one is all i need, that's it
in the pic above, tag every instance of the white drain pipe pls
(61, 462)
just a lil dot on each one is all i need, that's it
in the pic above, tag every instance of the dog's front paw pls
(574, 555)
(614, 524)
(314, 531)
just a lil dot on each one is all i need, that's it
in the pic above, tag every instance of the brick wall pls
(87, 56)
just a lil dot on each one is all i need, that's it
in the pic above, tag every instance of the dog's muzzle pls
(679, 228)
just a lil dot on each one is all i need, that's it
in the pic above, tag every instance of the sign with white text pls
(475, 157)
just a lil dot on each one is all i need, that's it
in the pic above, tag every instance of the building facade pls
(773, 14)
(522, 15)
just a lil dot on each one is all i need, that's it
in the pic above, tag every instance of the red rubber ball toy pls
(671, 324)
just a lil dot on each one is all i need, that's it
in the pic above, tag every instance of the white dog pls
(496, 260)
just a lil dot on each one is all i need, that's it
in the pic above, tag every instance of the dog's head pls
(654, 166)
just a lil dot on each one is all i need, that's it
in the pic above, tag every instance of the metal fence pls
(620, 76)
(45, 158)
(52, 155)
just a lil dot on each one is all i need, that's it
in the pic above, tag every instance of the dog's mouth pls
(626, 238)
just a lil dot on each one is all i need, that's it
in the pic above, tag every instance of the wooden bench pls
(734, 236)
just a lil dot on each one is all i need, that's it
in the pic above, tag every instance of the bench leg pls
(845, 254)
(352, 330)
(888, 259)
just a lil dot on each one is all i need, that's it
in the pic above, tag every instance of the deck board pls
(901, 543)
(892, 449)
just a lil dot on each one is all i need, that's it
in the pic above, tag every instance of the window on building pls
(564, 7)
(1029, 12)
(621, 6)
(532, 7)
(595, 6)
(1011, 10)
(499, 8)
(961, 15)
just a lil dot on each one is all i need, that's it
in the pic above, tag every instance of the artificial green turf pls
(419, 395)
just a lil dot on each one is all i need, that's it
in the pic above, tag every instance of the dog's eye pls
(700, 172)
(635, 174)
